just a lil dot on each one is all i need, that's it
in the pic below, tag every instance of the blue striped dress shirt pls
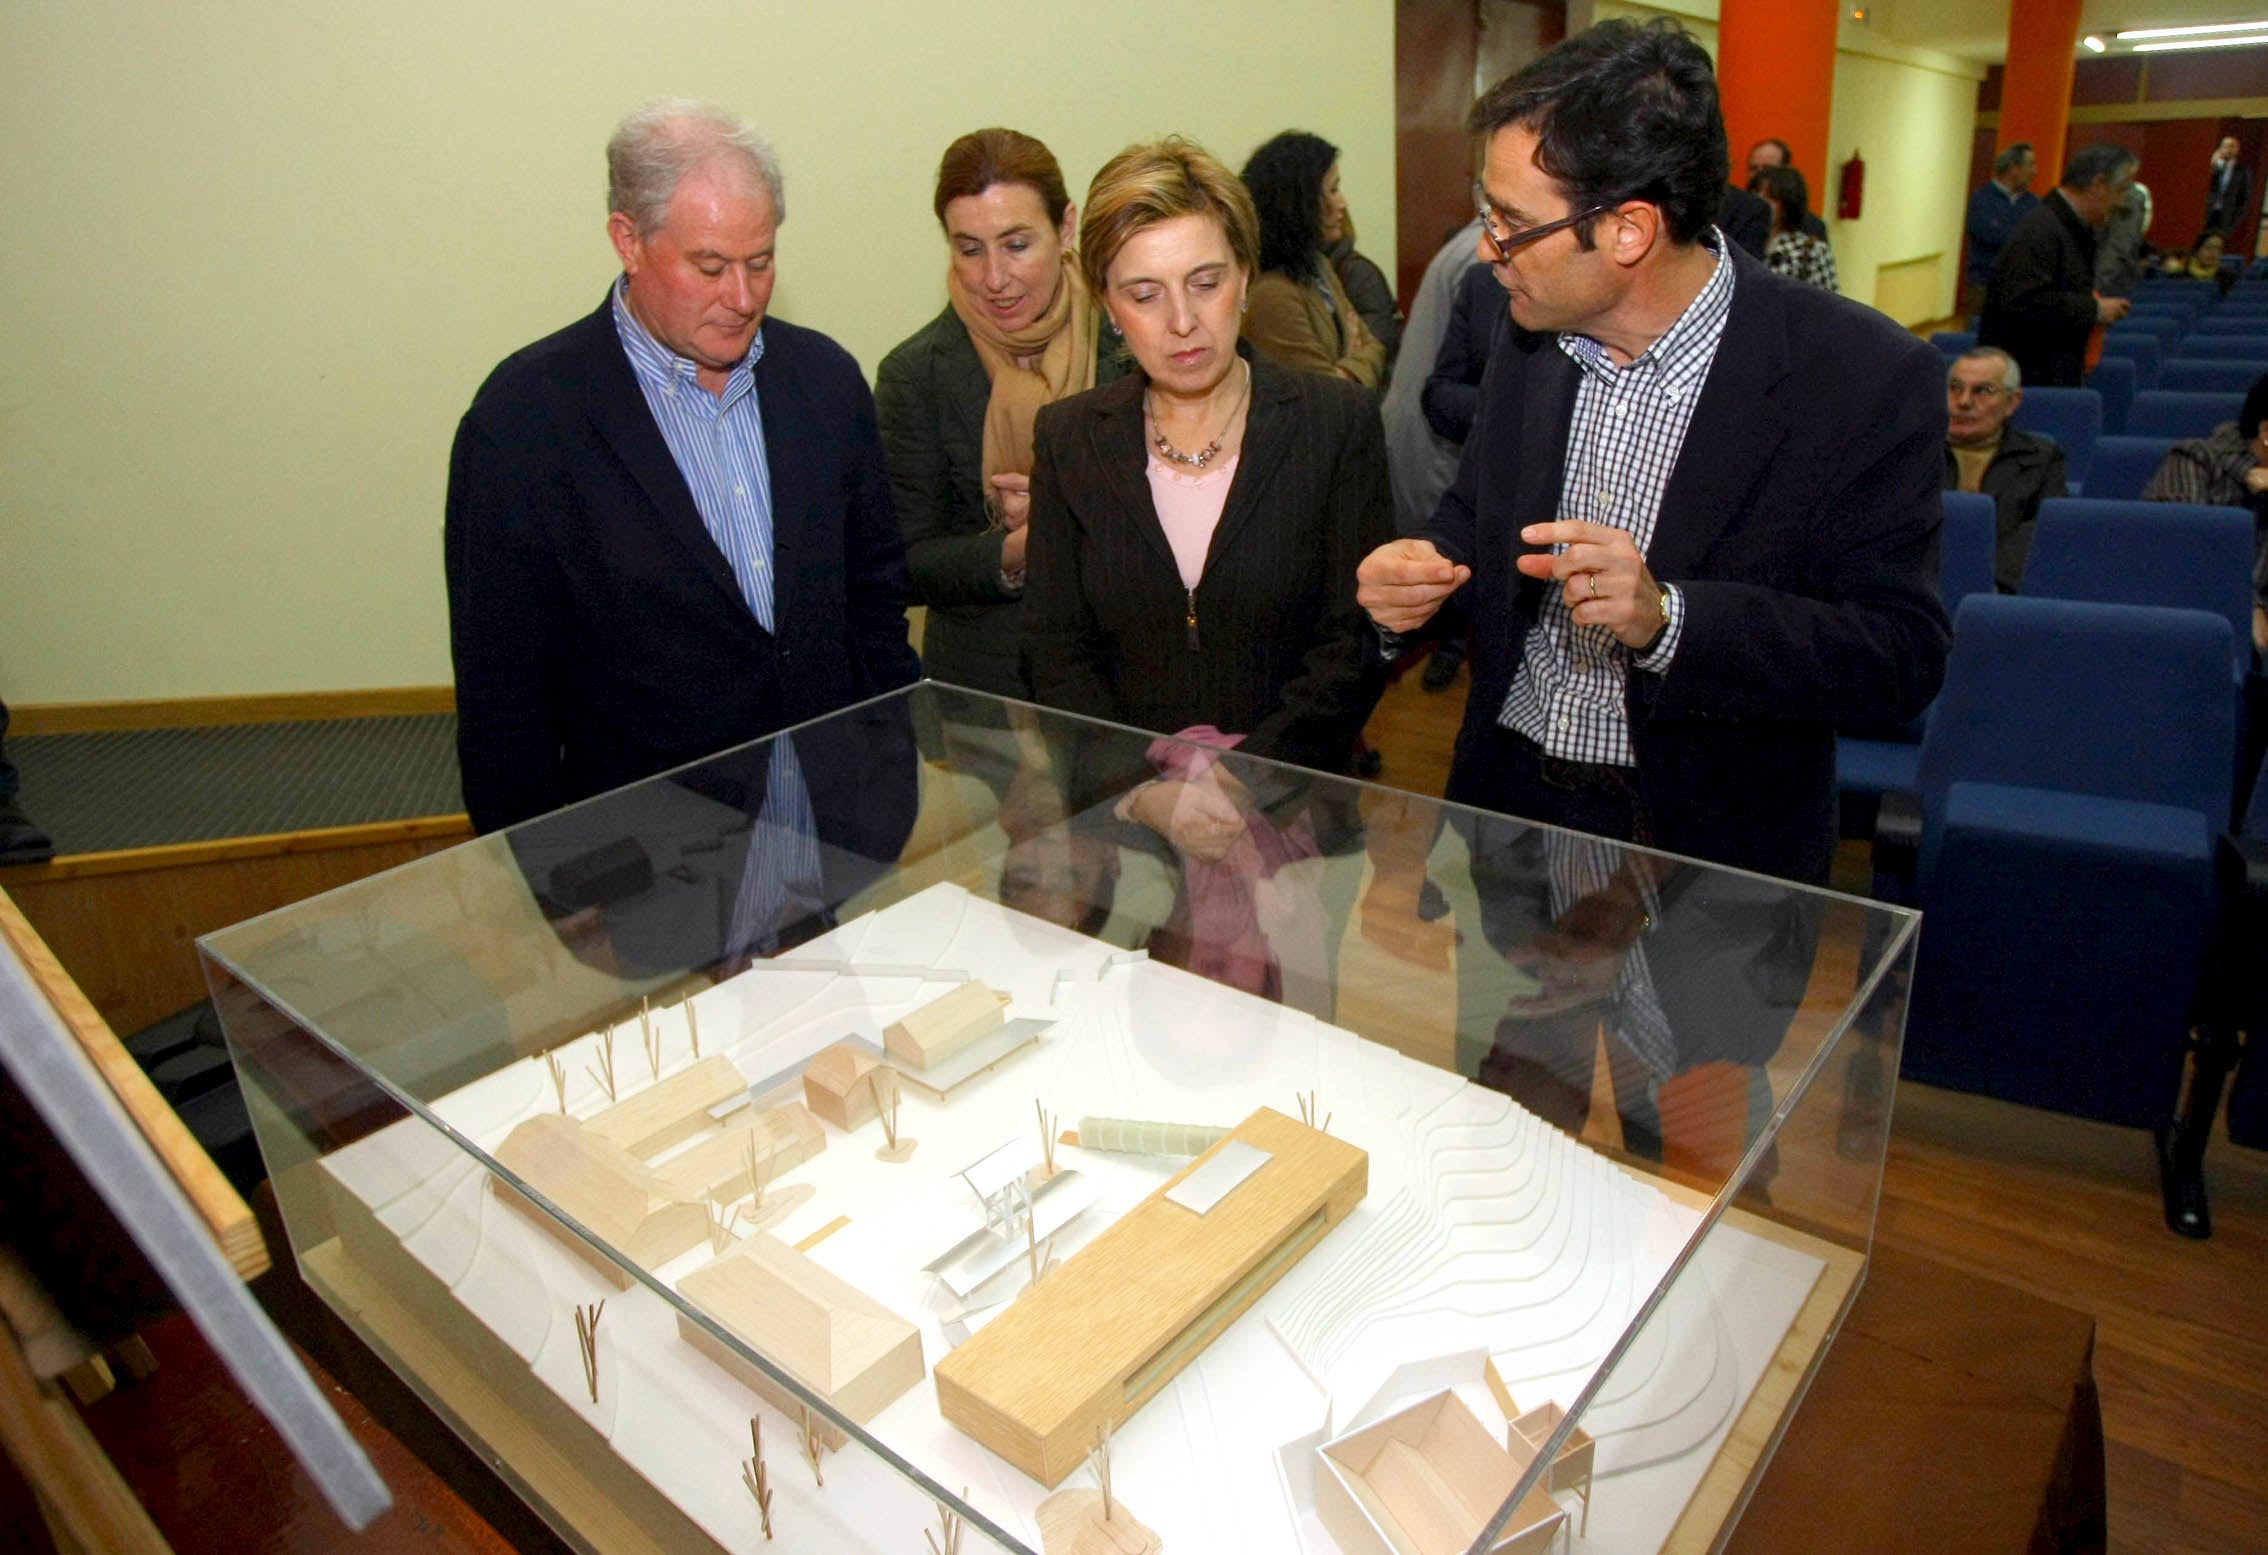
(718, 443)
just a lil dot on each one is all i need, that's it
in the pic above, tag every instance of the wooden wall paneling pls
(1436, 43)
(125, 925)
(205, 712)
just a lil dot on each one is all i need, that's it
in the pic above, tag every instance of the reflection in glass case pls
(955, 1123)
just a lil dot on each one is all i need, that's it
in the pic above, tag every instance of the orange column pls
(2035, 87)
(1776, 74)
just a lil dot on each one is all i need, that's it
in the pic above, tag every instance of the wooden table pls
(1953, 1413)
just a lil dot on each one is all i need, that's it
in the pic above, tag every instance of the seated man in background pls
(2018, 470)
(669, 526)
(2228, 468)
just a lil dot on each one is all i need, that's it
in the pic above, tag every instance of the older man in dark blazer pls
(1698, 514)
(2040, 305)
(669, 527)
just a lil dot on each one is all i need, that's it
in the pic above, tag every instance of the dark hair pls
(2103, 159)
(2255, 409)
(1787, 153)
(1785, 186)
(2011, 155)
(982, 158)
(1621, 112)
(1286, 179)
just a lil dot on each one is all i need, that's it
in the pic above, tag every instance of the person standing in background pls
(1301, 317)
(2228, 189)
(2118, 252)
(1999, 203)
(2040, 306)
(957, 399)
(1364, 283)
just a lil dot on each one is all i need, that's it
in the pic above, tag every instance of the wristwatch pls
(1661, 603)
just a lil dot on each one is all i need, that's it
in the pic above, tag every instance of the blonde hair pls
(1155, 182)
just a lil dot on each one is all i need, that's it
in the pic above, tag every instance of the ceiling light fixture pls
(2254, 41)
(2132, 33)
(2093, 43)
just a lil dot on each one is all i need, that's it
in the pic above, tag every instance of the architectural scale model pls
(836, 1340)
(1246, 1330)
(1079, 1353)
(945, 1026)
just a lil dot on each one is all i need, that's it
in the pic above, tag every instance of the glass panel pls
(1529, 1124)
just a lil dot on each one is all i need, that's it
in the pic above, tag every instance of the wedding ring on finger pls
(1594, 577)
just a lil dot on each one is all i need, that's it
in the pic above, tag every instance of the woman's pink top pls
(1189, 504)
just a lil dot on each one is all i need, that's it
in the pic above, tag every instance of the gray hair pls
(2012, 157)
(653, 149)
(2011, 376)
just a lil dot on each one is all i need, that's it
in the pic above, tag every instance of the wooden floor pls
(2067, 1210)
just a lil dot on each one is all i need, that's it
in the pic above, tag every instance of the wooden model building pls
(1425, 1482)
(605, 1189)
(945, 1025)
(670, 1111)
(835, 1339)
(836, 1088)
(779, 1139)
(1571, 1467)
(1088, 1345)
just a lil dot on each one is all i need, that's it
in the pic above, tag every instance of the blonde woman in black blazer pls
(1269, 643)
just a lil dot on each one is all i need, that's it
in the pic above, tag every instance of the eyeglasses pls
(1505, 241)
(1987, 392)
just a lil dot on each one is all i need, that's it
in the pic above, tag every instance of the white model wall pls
(266, 251)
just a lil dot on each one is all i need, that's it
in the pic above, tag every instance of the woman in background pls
(1195, 526)
(1300, 313)
(957, 399)
(1793, 252)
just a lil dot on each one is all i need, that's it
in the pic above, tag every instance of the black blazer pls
(1801, 525)
(1279, 648)
(598, 632)
(2225, 206)
(2040, 303)
(1451, 397)
(2026, 471)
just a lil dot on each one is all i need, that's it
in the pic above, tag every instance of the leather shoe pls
(20, 841)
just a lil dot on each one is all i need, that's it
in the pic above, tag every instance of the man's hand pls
(1605, 578)
(2109, 310)
(1403, 583)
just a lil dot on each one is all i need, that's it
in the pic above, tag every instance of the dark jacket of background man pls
(599, 634)
(2040, 306)
(2228, 190)
(2026, 471)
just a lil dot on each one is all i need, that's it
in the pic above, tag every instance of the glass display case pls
(955, 1119)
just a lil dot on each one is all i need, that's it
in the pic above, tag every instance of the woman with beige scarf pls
(957, 400)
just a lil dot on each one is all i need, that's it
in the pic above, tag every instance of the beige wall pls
(1910, 113)
(266, 252)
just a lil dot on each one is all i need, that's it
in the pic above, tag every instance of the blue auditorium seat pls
(2146, 352)
(2159, 413)
(2073, 417)
(2124, 465)
(2114, 378)
(2073, 782)
(2183, 375)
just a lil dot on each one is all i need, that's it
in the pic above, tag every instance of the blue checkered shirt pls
(1622, 443)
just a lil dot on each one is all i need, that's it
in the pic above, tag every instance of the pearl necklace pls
(1211, 451)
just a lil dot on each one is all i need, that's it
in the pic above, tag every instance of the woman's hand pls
(1198, 818)
(1012, 501)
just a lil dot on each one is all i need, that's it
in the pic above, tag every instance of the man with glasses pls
(1697, 517)
(1984, 453)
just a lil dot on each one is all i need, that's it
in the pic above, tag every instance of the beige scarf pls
(1063, 338)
